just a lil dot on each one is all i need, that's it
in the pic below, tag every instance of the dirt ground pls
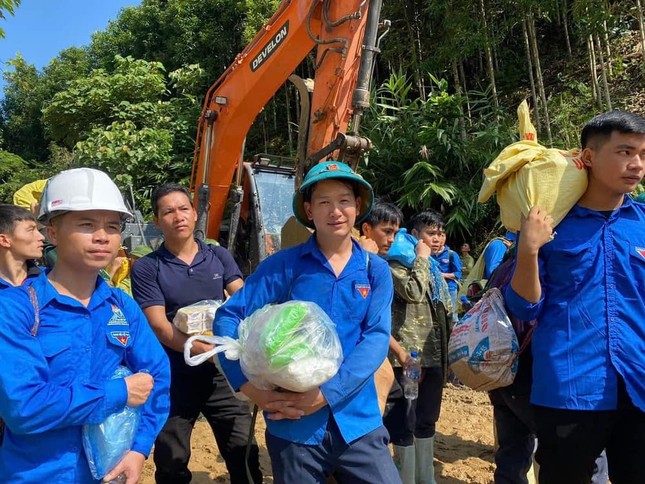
(463, 452)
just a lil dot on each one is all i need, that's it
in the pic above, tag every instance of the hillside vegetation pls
(447, 84)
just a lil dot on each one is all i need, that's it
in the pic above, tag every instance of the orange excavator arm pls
(337, 28)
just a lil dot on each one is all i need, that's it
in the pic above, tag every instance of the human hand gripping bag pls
(293, 346)
(526, 174)
(483, 347)
(105, 444)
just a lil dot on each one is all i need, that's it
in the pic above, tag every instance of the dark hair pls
(10, 214)
(164, 190)
(599, 129)
(307, 194)
(428, 218)
(384, 212)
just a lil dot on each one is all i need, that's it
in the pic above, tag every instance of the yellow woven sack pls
(29, 194)
(526, 174)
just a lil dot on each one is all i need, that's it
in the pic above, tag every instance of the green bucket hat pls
(338, 171)
(141, 251)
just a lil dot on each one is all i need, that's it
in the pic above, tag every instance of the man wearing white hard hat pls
(62, 338)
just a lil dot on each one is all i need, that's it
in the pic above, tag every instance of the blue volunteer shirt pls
(591, 318)
(54, 383)
(33, 271)
(449, 263)
(495, 252)
(358, 301)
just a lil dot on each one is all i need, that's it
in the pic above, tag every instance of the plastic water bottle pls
(466, 304)
(412, 375)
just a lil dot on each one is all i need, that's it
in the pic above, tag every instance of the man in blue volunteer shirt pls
(585, 287)
(181, 272)
(495, 251)
(20, 244)
(336, 428)
(62, 338)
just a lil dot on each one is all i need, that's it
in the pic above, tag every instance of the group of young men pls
(64, 331)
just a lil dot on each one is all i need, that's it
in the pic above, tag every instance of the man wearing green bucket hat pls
(335, 428)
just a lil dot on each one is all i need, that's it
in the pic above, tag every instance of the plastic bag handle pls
(229, 346)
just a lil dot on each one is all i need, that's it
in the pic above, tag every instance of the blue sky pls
(40, 29)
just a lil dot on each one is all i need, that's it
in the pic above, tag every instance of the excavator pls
(246, 204)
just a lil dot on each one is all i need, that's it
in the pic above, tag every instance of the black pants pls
(570, 441)
(407, 419)
(515, 425)
(195, 390)
(513, 419)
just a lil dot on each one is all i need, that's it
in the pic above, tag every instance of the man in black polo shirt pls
(20, 244)
(181, 272)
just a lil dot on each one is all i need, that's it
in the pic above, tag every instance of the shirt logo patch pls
(363, 289)
(121, 336)
(641, 251)
(118, 318)
(217, 276)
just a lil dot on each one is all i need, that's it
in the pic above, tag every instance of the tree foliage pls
(449, 78)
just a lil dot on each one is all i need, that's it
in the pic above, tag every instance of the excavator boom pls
(337, 29)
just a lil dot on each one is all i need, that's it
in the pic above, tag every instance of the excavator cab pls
(268, 184)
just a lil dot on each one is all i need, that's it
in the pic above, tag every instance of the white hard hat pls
(80, 189)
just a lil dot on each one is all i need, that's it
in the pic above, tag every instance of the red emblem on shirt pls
(641, 251)
(363, 289)
(121, 336)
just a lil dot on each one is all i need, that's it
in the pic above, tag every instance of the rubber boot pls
(404, 461)
(424, 460)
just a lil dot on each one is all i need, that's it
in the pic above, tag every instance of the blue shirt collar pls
(46, 293)
(310, 247)
(622, 211)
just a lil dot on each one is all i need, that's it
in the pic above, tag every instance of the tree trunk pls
(538, 75)
(529, 63)
(289, 125)
(603, 71)
(594, 73)
(420, 56)
(565, 24)
(641, 25)
(607, 47)
(462, 74)
(489, 56)
(456, 80)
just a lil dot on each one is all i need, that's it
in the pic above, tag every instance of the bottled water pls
(412, 375)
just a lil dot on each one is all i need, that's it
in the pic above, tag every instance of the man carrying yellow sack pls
(526, 174)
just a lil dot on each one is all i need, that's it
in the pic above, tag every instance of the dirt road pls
(463, 454)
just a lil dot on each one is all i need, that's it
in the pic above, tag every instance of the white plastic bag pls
(197, 318)
(483, 347)
(105, 444)
(293, 345)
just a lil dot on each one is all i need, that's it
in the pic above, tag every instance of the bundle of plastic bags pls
(483, 347)
(293, 346)
(403, 251)
(107, 443)
(526, 174)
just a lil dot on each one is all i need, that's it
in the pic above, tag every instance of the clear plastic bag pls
(483, 347)
(293, 346)
(197, 318)
(107, 443)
